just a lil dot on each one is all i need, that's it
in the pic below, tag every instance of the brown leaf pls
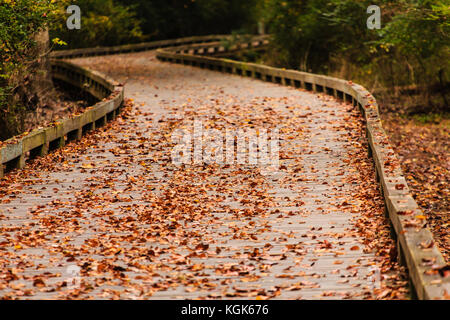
(39, 283)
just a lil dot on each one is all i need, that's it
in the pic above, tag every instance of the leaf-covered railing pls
(15, 151)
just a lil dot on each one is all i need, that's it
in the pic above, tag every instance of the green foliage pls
(19, 22)
(330, 36)
(164, 19)
(103, 23)
(430, 117)
(421, 27)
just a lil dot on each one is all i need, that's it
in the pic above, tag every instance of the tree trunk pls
(41, 83)
(35, 91)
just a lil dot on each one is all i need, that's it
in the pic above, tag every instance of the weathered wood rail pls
(196, 44)
(415, 241)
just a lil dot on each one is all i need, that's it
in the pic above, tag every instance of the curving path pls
(113, 215)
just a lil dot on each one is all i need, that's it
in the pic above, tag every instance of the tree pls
(420, 34)
(24, 68)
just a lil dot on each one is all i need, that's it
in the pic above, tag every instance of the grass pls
(427, 118)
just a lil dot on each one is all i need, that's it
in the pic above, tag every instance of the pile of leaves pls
(423, 149)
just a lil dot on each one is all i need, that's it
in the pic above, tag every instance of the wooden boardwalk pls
(115, 216)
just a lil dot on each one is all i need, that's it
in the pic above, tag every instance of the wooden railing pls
(15, 151)
(187, 42)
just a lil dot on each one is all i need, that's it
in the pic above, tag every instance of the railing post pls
(61, 142)
(1, 165)
(19, 163)
(40, 151)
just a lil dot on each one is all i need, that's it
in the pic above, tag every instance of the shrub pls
(20, 21)
(103, 23)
